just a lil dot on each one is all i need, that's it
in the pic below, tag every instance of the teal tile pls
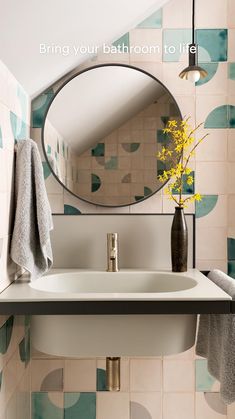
(211, 69)
(1, 140)
(218, 118)
(95, 182)
(213, 44)
(130, 147)
(48, 149)
(187, 189)
(123, 42)
(100, 160)
(162, 138)
(6, 334)
(24, 348)
(112, 163)
(147, 191)
(154, 21)
(173, 39)
(231, 268)
(164, 120)
(231, 71)
(100, 379)
(79, 405)
(204, 381)
(206, 205)
(39, 108)
(18, 127)
(99, 150)
(231, 116)
(43, 408)
(70, 210)
(231, 248)
(139, 197)
(161, 166)
(46, 169)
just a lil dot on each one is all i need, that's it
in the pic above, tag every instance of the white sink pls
(126, 282)
(113, 335)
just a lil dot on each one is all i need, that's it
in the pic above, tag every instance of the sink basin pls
(114, 282)
(113, 335)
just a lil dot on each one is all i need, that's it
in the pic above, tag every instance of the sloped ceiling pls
(26, 24)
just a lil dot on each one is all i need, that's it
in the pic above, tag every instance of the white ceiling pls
(97, 102)
(26, 24)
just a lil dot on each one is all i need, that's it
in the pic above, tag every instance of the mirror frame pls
(54, 97)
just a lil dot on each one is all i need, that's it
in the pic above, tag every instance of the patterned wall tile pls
(47, 405)
(204, 381)
(79, 405)
(145, 375)
(153, 21)
(210, 406)
(145, 405)
(178, 405)
(113, 405)
(80, 375)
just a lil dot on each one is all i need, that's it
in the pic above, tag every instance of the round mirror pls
(103, 131)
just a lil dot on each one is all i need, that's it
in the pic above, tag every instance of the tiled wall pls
(172, 387)
(211, 101)
(14, 367)
(14, 331)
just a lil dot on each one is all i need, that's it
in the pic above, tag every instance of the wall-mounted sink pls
(118, 335)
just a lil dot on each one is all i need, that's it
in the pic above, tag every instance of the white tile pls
(211, 178)
(145, 374)
(211, 243)
(149, 404)
(56, 203)
(146, 39)
(218, 217)
(214, 146)
(178, 406)
(178, 376)
(209, 406)
(112, 405)
(80, 375)
(211, 14)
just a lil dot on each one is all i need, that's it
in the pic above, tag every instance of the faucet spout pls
(112, 252)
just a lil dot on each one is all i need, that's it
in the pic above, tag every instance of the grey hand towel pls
(30, 245)
(216, 341)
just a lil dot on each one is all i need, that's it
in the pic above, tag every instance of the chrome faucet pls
(112, 252)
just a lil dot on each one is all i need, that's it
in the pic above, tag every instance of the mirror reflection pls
(103, 131)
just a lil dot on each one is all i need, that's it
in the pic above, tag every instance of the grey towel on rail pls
(30, 245)
(216, 340)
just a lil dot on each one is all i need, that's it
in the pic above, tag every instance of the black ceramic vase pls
(179, 241)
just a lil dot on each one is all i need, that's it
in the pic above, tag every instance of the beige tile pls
(211, 243)
(178, 406)
(231, 145)
(218, 217)
(206, 19)
(231, 16)
(231, 178)
(149, 205)
(214, 147)
(210, 406)
(218, 84)
(178, 376)
(80, 375)
(183, 356)
(173, 17)
(231, 411)
(145, 375)
(147, 404)
(205, 104)
(231, 45)
(56, 203)
(211, 178)
(146, 39)
(40, 372)
(112, 405)
(23, 396)
(208, 265)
